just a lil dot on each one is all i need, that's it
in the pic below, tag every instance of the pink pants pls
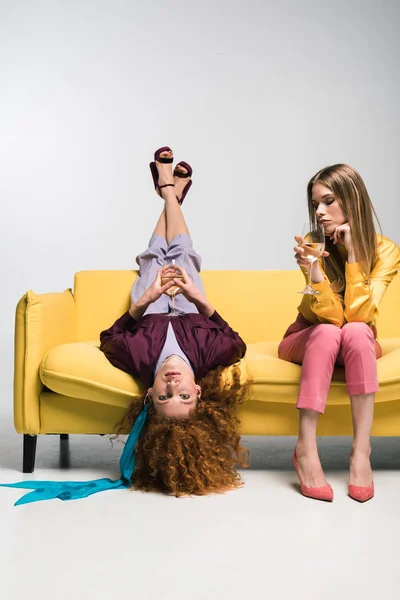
(319, 347)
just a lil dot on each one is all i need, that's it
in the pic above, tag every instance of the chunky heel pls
(188, 174)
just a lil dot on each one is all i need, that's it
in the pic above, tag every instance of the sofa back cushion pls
(260, 305)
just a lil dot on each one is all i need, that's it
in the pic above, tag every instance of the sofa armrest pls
(41, 322)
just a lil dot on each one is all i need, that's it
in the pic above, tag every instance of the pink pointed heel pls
(317, 493)
(188, 174)
(362, 493)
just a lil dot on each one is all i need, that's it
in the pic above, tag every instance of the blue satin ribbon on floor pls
(72, 490)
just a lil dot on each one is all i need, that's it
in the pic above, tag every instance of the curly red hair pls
(197, 455)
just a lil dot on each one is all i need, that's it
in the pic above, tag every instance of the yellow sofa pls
(64, 384)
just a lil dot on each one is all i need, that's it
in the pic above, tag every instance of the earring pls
(147, 399)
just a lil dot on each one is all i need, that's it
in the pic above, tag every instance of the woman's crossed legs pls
(170, 240)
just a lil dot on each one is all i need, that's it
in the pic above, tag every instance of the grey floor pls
(264, 540)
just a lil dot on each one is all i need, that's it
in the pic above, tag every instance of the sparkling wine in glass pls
(313, 244)
(172, 291)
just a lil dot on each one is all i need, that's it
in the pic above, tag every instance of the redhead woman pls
(183, 430)
(190, 443)
(337, 325)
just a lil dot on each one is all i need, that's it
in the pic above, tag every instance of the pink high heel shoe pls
(317, 493)
(362, 493)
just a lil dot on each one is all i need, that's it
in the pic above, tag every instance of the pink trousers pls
(319, 347)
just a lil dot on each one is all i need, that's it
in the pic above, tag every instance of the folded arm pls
(326, 305)
(363, 296)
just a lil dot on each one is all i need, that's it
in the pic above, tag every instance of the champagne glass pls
(172, 291)
(313, 244)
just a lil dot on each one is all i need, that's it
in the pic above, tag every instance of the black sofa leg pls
(29, 453)
(64, 437)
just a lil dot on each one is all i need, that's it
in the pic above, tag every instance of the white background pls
(256, 95)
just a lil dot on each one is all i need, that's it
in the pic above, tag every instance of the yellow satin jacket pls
(361, 296)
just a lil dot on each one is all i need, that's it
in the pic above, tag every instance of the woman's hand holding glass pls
(310, 246)
(172, 274)
(153, 293)
(185, 285)
(192, 293)
(172, 279)
(160, 285)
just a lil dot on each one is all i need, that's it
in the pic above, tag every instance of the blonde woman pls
(337, 326)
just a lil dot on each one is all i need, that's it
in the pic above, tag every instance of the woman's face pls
(327, 208)
(174, 392)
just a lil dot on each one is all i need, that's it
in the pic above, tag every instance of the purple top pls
(135, 346)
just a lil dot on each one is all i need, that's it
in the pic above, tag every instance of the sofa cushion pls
(80, 370)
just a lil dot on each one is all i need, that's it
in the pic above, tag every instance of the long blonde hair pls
(349, 189)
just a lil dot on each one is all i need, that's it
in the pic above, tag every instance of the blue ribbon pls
(72, 490)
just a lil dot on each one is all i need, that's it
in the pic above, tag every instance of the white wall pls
(256, 95)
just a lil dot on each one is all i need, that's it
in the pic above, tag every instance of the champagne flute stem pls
(173, 303)
(309, 274)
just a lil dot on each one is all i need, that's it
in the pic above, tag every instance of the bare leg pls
(175, 221)
(362, 410)
(161, 227)
(307, 451)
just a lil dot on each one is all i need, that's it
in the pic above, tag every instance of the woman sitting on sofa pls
(337, 325)
(190, 443)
